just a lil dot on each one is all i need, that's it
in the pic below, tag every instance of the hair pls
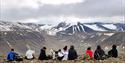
(114, 46)
(89, 48)
(99, 47)
(12, 49)
(71, 47)
(65, 48)
(59, 50)
(44, 47)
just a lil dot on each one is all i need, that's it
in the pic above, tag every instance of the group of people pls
(65, 54)
(99, 53)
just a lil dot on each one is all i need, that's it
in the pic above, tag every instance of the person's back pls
(99, 53)
(30, 54)
(89, 52)
(72, 53)
(11, 56)
(52, 54)
(65, 53)
(113, 52)
(42, 55)
(60, 55)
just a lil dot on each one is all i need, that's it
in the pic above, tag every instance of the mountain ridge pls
(63, 27)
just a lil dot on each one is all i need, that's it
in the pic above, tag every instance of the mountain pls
(94, 27)
(63, 27)
(21, 36)
(117, 38)
(16, 26)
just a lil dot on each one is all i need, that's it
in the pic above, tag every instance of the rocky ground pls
(120, 59)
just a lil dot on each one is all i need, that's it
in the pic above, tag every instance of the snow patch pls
(45, 27)
(110, 26)
(4, 28)
(94, 27)
(9, 44)
(109, 34)
(103, 39)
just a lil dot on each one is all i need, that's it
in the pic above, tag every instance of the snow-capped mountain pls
(63, 27)
(95, 27)
(18, 35)
(15, 26)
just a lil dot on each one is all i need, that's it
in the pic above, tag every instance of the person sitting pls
(30, 54)
(43, 55)
(113, 52)
(72, 53)
(13, 56)
(99, 54)
(65, 53)
(89, 53)
(52, 54)
(60, 55)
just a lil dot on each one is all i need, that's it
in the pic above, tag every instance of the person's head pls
(44, 48)
(114, 47)
(89, 48)
(12, 49)
(65, 48)
(59, 50)
(71, 47)
(99, 47)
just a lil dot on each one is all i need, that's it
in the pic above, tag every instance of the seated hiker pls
(52, 54)
(113, 52)
(65, 53)
(89, 53)
(72, 53)
(13, 56)
(60, 55)
(99, 54)
(43, 55)
(30, 54)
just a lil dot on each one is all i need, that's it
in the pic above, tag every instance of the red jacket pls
(90, 53)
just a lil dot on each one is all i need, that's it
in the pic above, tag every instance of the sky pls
(55, 11)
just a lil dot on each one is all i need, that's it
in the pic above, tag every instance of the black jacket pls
(72, 54)
(42, 55)
(99, 54)
(113, 53)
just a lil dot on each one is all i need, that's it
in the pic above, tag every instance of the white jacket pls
(29, 54)
(65, 54)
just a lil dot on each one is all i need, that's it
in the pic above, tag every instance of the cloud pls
(58, 2)
(35, 9)
(30, 21)
(8, 4)
(74, 20)
(34, 3)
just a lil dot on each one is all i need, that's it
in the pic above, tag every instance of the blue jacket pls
(11, 56)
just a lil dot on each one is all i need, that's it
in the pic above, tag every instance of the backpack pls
(17, 57)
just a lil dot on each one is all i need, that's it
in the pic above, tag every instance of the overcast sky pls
(55, 11)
